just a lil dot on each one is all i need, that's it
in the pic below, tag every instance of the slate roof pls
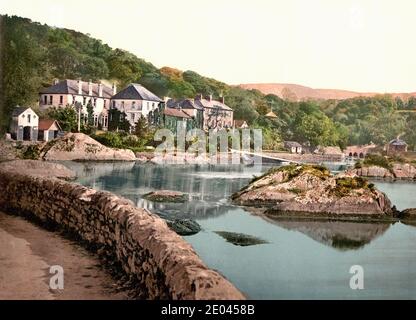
(205, 103)
(173, 112)
(136, 91)
(397, 142)
(18, 110)
(292, 144)
(69, 86)
(184, 104)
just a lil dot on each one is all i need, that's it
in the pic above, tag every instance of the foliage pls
(376, 160)
(67, 118)
(345, 185)
(117, 120)
(34, 54)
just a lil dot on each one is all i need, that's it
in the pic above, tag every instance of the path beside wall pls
(162, 263)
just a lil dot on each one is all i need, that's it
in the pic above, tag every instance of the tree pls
(141, 129)
(117, 120)
(24, 67)
(90, 114)
(67, 117)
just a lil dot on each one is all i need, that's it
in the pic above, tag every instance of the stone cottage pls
(396, 146)
(293, 146)
(217, 115)
(24, 125)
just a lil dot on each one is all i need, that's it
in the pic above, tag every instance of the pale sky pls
(361, 45)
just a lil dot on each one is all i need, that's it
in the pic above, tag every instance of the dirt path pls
(26, 254)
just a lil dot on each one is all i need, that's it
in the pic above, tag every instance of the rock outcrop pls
(296, 189)
(397, 171)
(408, 214)
(38, 168)
(166, 196)
(78, 146)
(184, 227)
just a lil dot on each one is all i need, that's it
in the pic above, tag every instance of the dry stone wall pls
(162, 263)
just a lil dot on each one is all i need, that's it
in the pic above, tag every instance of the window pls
(50, 99)
(45, 99)
(61, 99)
(84, 101)
(28, 118)
(122, 104)
(105, 103)
(133, 105)
(133, 116)
(94, 102)
(114, 104)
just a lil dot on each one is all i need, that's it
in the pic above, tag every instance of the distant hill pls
(298, 92)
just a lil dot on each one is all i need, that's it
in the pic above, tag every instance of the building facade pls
(217, 115)
(79, 93)
(136, 101)
(24, 124)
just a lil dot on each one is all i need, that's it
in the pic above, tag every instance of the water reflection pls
(341, 235)
(209, 187)
(303, 259)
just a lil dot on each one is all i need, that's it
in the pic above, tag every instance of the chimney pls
(90, 88)
(100, 89)
(198, 97)
(222, 99)
(79, 86)
(210, 97)
(114, 89)
(55, 81)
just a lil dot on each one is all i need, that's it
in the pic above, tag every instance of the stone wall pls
(160, 261)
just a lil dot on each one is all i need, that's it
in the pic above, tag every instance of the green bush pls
(377, 160)
(109, 139)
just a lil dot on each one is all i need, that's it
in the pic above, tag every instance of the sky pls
(360, 45)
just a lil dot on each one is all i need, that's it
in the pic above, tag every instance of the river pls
(301, 259)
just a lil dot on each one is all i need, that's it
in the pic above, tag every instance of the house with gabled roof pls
(195, 110)
(24, 124)
(217, 114)
(81, 93)
(136, 101)
(48, 129)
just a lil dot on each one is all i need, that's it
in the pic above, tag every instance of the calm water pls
(307, 259)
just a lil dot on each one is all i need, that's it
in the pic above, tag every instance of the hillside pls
(299, 92)
(33, 54)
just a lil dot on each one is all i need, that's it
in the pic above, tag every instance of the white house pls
(135, 101)
(71, 92)
(293, 146)
(24, 125)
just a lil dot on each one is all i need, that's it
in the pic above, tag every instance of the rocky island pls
(380, 167)
(312, 190)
